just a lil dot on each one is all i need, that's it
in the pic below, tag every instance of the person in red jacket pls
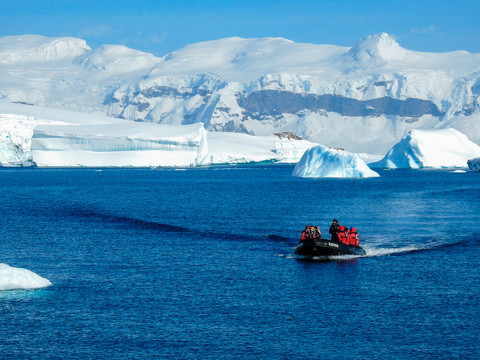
(305, 234)
(354, 237)
(341, 235)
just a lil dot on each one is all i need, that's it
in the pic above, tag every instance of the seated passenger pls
(304, 234)
(318, 233)
(354, 237)
(341, 235)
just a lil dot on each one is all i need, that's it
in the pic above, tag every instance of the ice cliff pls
(115, 145)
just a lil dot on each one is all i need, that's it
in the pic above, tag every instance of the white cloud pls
(102, 30)
(426, 30)
(157, 39)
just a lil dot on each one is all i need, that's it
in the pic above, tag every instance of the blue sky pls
(162, 26)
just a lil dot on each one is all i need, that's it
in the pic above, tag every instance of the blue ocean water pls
(199, 264)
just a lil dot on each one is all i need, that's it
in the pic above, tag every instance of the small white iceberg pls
(446, 148)
(12, 278)
(321, 161)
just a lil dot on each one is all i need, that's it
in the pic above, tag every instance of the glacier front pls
(322, 161)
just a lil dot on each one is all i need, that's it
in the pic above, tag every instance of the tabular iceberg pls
(12, 278)
(322, 161)
(446, 148)
(474, 164)
(60, 138)
(119, 145)
(237, 148)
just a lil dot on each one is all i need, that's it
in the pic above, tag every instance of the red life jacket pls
(354, 237)
(341, 234)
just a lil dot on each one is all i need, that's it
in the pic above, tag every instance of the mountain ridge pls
(362, 98)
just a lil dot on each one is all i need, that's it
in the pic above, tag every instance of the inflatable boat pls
(320, 247)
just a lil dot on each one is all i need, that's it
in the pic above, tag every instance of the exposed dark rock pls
(230, 126)
(166, 91)
(143, 106)
(288, 135)
(272, 102)
(381, 83)
(474, 164)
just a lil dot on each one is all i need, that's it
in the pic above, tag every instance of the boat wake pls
(372, 251)
(381, 251)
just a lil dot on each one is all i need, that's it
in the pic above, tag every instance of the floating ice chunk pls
(16, 278)
(322, 161)
(447, 148)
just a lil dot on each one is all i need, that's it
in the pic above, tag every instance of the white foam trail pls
(371, 252)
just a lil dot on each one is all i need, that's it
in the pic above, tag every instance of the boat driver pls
(334, 229)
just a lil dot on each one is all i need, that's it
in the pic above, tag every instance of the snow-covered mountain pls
(362, 98)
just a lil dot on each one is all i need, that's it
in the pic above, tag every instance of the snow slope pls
(321, 161)
(12, 278)
(362, 98)
(268, 85)
(447, 148)
(65, 72)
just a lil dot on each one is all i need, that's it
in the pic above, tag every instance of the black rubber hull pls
(324, 247)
